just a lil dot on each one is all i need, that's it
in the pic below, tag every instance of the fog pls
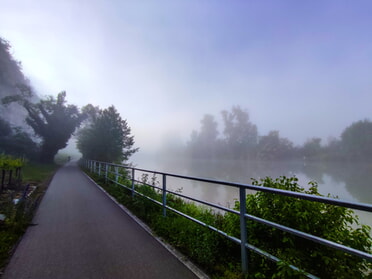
(300, 68)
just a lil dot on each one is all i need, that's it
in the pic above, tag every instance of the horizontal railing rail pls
(107, 169)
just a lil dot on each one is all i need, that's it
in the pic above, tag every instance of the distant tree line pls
(49, 123)
(240, 140)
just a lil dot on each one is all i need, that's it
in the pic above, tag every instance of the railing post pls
(243, 230)
(132, 182)
(99, 169)
(164, 195)
(116, 174)
(106, 172)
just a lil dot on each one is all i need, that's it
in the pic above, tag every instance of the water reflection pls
(350, 182)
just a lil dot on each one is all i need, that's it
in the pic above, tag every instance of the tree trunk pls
(47, 153)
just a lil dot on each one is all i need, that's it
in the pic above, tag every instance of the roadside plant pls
(221, 258)
(331, 222)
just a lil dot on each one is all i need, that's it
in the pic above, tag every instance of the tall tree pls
(333, 149)
(52, 120)
(273, 147)
(11, 77)
(107, 137)
(312, 148)
(16, 142)
(205, 143)
(10, 70)
(356, 140)
(240, 134)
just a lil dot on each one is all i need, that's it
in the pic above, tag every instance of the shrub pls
(331, 222)
(220, 257)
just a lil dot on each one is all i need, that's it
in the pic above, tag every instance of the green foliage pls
(52, 120)
(201, 245)
(10, 163)
(16, 142)
(273, 147)
(107, 138)
(17, 219)
(18, 216)
(221, 257)
(10, 70)
(334, 223)
(37, 173)
(7, 240)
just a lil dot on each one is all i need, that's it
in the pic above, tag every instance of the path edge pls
(182, 258)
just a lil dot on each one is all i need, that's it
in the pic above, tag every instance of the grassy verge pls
(220, 258)
(38, 173)
(217, 256)
(19, 216)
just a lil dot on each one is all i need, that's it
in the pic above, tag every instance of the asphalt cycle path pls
(81, 233)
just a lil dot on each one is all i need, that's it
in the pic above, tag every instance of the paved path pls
(81, 233)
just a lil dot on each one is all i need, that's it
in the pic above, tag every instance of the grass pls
(205, 248)
(18, 217)
(37, 173)
(220, 258)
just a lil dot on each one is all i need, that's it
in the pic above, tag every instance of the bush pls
(220, 257)
(334, 223)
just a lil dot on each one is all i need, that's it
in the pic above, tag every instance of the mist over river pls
(347, 181)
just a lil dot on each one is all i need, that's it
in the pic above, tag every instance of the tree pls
(106, 138)
(312, 148)
(16, 142)
(5, 129)
(273, 147)
(356, 140)
(52, 120)
(240, 134)
(11, 77)
(205, 143)
(333, 149)
(10, 70)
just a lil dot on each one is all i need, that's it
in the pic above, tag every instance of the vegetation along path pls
(80, 233)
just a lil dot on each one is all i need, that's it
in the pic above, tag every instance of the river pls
(350, 182)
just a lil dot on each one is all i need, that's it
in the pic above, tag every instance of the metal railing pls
(109, 170)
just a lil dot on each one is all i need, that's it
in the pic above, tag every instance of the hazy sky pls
(301, 67)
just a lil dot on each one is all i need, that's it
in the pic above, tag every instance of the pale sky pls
(300, 67)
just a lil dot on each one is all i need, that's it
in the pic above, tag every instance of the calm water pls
(351, 182)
